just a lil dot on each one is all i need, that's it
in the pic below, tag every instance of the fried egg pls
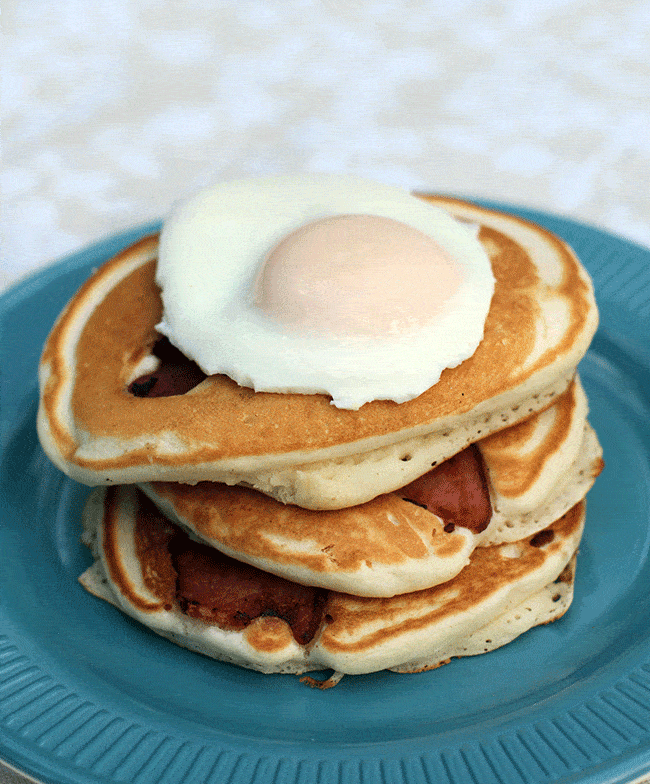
(322, 284)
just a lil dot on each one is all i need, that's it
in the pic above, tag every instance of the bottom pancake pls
(207, 602)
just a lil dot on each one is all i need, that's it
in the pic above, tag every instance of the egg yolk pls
(356, 275)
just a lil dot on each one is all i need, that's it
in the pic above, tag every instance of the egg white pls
(213, 247)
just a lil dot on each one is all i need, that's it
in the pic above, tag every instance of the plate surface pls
(88, 696)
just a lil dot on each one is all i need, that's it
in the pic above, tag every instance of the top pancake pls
(541, 321)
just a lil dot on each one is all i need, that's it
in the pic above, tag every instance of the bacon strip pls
(456, 490)
(176, 374)
(223, 591)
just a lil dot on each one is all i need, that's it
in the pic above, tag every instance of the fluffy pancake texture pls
(504, 590)
(537, 470)
(541, 321)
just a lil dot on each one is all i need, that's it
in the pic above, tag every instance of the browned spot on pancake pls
(487, 572)
(512, 473)
(268, 634)
(448, 545)
(220, 420)
(597, 467)
(428, 667)
(542, 537)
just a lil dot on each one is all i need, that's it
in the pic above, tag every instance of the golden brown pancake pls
(300, 448)
(504, 590)
(383, 547)
(537, 470)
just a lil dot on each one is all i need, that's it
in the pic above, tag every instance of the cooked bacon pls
(456, 490)
(176, 374)
(231, 594)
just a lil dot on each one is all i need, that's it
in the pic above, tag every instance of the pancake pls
(504, 590)
(540, 468)
(536, 471)
(544, 606)
(541, 321)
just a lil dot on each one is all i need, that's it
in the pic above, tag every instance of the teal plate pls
(89, 696)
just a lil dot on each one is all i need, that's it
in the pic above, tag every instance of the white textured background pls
(114, 109)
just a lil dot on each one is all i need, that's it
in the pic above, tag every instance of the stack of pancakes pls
(280, 533)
